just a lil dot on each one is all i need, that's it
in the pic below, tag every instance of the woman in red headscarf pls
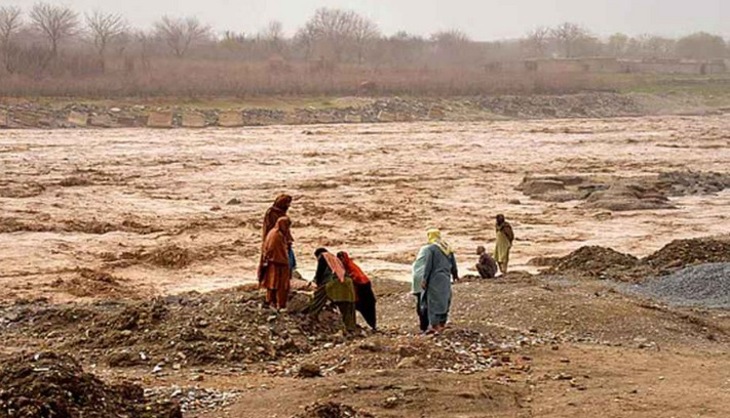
(364, 297)
(276, 273)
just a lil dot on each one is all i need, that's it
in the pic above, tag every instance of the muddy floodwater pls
(89, 213)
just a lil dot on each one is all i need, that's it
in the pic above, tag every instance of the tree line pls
(55, 41)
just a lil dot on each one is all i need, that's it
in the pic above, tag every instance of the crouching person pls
(333, 285)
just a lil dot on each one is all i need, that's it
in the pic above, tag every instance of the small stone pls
(391, 402)
(309, 370)
(369, 346)
(406, 351)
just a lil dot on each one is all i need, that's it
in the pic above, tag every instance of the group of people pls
(339, 280)
(435, 269)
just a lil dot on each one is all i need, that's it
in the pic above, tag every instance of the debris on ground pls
(48, 385)
(192, 399)
(461, 351)
(230, 327)
(332, 410)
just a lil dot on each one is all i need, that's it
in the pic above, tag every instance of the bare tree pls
(568, 36)
(618, 45)
(55, 22)
(331, 29)
(452, 46)
(451, 37)
(273, 36)
(180, 34)
(538, 41)
(105, 28)
(652, 46)
(364, 32)
(273, 31)
(10, 24)
(144, 40)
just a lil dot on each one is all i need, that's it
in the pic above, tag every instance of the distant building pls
(610, 66)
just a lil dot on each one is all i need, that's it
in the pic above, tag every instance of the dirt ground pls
(100, 229)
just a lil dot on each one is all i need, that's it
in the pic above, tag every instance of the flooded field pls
(136, 212)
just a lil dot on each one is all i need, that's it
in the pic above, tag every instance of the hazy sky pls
(481, 19)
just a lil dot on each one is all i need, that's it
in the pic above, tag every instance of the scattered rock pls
(52, 385)
(234, 201)
(308, 371)
(332, 410)
(194, 399)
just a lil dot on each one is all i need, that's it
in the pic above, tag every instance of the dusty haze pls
(482, 20)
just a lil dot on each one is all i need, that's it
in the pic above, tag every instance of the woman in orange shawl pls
(277, 210)
(364, 297)
(276, 274)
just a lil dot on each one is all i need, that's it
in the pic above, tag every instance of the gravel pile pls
(704, 285)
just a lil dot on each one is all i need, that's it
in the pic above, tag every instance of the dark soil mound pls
(49, 385)
(596, 262)
(332, 410)
(681, 253)
(605, 263)
(228, 327)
